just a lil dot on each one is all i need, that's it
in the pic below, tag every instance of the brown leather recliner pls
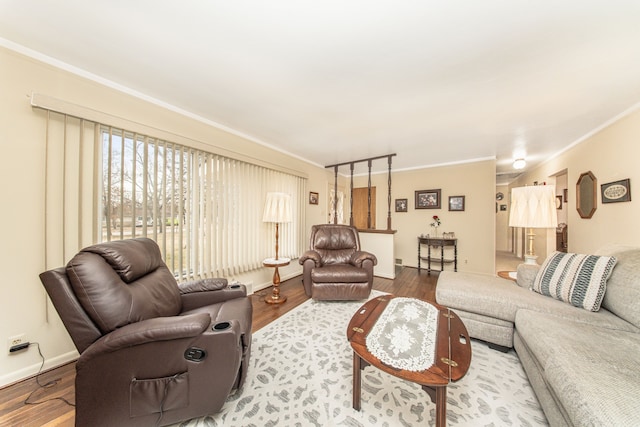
(152, 352)
(335, 268)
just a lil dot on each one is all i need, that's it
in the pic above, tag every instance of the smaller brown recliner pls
(335, 268)
(152, 352)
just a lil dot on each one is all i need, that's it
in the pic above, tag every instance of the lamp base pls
(530, 257)
(271, 299)
(275, 297)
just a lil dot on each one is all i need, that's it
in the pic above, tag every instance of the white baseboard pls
(261, 286)
(32, 370)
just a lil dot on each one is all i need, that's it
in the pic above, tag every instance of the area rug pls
(301, 375)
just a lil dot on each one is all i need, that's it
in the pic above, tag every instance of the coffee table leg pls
(356, 381)
(438, 395)
(441, 406)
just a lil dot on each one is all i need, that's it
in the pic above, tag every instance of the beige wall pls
(24, 308)
(611, 154)
(474, 228)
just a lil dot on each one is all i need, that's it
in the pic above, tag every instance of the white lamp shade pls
(277, 208)
(533, 207)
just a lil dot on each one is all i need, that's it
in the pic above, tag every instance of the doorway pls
(361, 210)
(562, 208)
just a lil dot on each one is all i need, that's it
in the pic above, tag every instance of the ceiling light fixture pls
(519, 164)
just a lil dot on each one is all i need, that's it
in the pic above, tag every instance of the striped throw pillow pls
(577, 279)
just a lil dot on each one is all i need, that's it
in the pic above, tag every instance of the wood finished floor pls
(13, 411)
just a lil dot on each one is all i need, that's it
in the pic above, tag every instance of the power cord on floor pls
(44, 386)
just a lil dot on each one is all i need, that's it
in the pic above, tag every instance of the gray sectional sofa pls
(583, 366)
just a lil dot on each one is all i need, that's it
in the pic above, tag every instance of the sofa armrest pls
(358, 257)
(526, 274)
(312, 255)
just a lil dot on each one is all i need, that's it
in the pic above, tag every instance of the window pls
(204, 210)
(104, 183)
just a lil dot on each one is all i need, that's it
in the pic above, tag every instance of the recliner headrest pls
(123, 282)
(132, 258)
(334, 237)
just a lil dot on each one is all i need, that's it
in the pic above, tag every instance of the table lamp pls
(533, 207)
(277, 209)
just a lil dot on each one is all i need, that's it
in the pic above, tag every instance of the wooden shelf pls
(435, 259)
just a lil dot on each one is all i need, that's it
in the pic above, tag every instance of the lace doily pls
(404, 336)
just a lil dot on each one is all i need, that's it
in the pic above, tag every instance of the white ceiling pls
(436, 82)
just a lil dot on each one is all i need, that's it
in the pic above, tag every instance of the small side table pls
(509, 275)
(439, 244)
(275, 297)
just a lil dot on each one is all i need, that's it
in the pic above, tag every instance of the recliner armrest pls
(312, 255)
(358, 257)
(151, 330)
(202, 285)
(196, 299)
(198, 293)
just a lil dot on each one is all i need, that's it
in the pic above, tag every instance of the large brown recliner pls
(152, 352)
(335, 268)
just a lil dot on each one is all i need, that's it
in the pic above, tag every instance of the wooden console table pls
(435, 242)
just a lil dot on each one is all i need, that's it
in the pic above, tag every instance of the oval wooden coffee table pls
(446, 334)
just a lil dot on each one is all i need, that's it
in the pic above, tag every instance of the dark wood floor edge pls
(32, 377)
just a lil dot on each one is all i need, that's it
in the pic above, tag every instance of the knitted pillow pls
(577, 279)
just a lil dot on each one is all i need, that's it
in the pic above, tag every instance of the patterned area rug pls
(301, 375)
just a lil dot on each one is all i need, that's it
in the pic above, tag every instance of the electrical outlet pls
(15, 340)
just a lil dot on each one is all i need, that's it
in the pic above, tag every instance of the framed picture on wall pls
(456, 203)
(617, 191)
(401, 205)
(313, 198)
(428, 199)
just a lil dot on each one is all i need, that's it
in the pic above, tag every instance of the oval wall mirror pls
(586, 195)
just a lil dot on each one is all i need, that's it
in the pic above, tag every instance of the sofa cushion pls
(487, 328)
(339, 273)
(592, 371)
(623, 288)
(598, 390)
(547, 334)
(577, 279)
(500, 298)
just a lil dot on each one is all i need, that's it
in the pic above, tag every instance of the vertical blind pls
(69, 187)
(204, 210)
